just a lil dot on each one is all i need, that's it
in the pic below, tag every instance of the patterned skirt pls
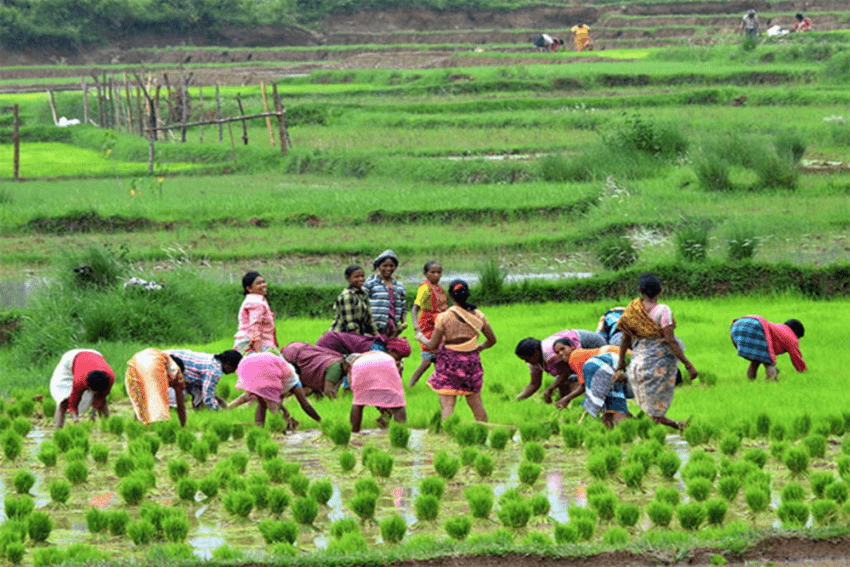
(457, 373)
(602, 392)
(748, 336)
(652, 374)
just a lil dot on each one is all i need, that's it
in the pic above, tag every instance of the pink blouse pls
(256, 321)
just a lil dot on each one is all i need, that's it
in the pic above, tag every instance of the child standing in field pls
(352, 312)
(430, 301)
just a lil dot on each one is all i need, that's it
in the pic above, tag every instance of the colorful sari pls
(149, 375)
(435, 296)
(458, 370)
(582, 36)
(652, 372)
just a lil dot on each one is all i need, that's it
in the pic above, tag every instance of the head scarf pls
(383, 256)
(400, 345)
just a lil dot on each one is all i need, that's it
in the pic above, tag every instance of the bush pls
(427, 507)
(646, 135)
(691, 516)
(660, 513)
(394, 528)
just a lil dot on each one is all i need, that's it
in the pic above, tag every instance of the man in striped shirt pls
(202, 372)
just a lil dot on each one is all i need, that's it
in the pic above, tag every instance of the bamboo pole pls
(139, 112)
(184, 110)
(129, 104)
(116, 103)
(222, 121)
(158, 111)
(218, 115)
(52, 107)
(244, 122)
(99, 101)
(201, 104)
(85, 89)
(266, 109)
(16, 140)
(281, 121)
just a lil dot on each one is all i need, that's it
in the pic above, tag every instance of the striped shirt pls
(201, 375)
(379, 299)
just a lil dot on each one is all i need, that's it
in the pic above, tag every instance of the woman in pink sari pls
(268, 378)
(376, 381)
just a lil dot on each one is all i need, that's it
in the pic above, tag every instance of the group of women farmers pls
(633, 353)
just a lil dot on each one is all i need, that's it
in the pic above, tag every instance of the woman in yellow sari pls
(581, 35)
(648, 329)
(150, 373)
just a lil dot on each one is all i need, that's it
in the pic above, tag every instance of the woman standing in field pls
(352, 312)
(150, 373)
(430, 301)
(256, 320)
(581, 36)
(458, 369)
(267, 378)
(387, 295)
(759, 341)
(648, 329)
(81, 380)
(376, 382)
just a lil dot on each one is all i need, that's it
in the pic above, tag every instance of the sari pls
(458, 370)
(434, 295)
(149, 375)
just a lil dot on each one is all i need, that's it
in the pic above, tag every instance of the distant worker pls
(802, 23)
(750, 24)
(546, 41)
(581, 35)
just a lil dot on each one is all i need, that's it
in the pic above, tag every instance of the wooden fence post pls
(266, 110)
(281, 121)
(16, 140)
(85, 100)
(201, 104)
(244, 122)
(218, 115)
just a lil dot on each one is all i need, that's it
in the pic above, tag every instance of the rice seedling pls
(566, 533)
(729, 444)
(532, 432)
(514, 513)
(690, 516)
(60, 491)
(240, 503)
(211, 440)
(604, 504)
(778, 432)
(268, 449)
(275, 531)
(339, 432)
(177, 469)
(321, 491)
(433, 485)
(200, 450)
(393, 529)
(347, 461)
(380, 464)
(399, 435)
(660, 513)
(468, 455)
(484, 465)
(797, 461)
(540, 505)
(185, 440)
(23, 481)
(124, 465)
(187, 488)
(534, 452)
(757, 499)
(118, 521)
(141, 532)
(39, 526)
(18, 508)
(12, 444)
(529, 472)
(633, 475)
(458, 527)
(793, 514)
(76, 472)
(426, 506)
(728, 487)
(176, 528)
(597, 467)
(699, 488)
(573, 435)
(22, 426)
(816, 445)
(344, 526)
(668, 464)
(15, 552)
(363, 505)
(299, 484)
(793, 492)
(278, 500)
(96, 521)
(627, 515)
(616, 536)
(499, 438)
(445, 465)
(825, 512)
(480, 499)
(304, 510)
(48, 454)
(756, 456)
(837, 491)
(132, 489)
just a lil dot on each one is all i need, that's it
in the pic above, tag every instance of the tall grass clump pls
(647, 135)
(712, 173)
(480, 499)
(742, 244)
(692, 242)
(616, 253)
(491, 280)
(790, 146)
(393, 529)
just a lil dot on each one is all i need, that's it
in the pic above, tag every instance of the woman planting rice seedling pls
(267, 378)
(202, 372)
(759, 341)
(458, 370)
(376, 381)
(430, 301)
(150, 373)
(540, 357)
(576, 359)
(352, 311)
(81, 380)
(256, 320)
(320, 369)
(648, 329)
(387, 295)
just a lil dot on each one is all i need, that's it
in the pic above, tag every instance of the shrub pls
(699, 488)
(627, 515)
(347, 461)
(321, 491)
(60, 491)
(668, 464)
(96, 521)
(712, 172)
(141, 532)
(176, 528)
(278, 500)
(399, 436)
(825, 512)
(514, 513)
(23, 481)
(445, 465)
(660, 513)
(432, 485)
(118, 521)
(76, 472)
(797, 460)
(393, 528)
(715, 511)
(728, 487)
(499, 438)
(39, 526)
(691, 516)
(480, 499)
(692, 242)
(363, 504)
(616, 253)
(529, 472)
(427, 507)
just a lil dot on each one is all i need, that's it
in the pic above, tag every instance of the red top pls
(84, 363)
(781, 339)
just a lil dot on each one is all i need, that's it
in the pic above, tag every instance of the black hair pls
(380, 260)
(528, 347)
(231, 357)
(649, 285)
(797, 327)
(179, 362)
(349, 271)
(97, 380)
(564, 341)
(248, 281)
(799, 17)
(430, 265)
(459, 292)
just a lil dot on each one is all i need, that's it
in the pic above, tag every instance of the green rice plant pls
(644, 455)
(615, 253)
(141, 532)
(529, 472)
(446, 465)
(715, 511)
(825, 512)
(144, 462)
(187, 488)
(132, 489)
(223, 429)
(690, 516)
(363, 505)
(393, 529)
(540, 505)
(480, 500)
(60, 491)
(427, 506)
(763, 424)
(96, 521)
(778, 448)
(802, 425)
(23, 481)
(348, 544)
(627, 515)
(299, 484)
(604, 505)
(18, 508)
(166, 431)
(514, 513)
(399, 435)
(597, 466)
(712, 172)
(39, 526)
(100, 453)
(616, 536)
(699, 469)
(573, 435)
(239, 461)
(76, 472)
(468, 455)
(613, 458)
(124, 465)
(347, 461)
(75, 454)
(380, 464)
(118, 521)
(837, 491)
(212, 441)
(843, 464)
(22, 426)
(660, 513)
(499, 438)
(176, 528)
(268, 449)
(669, 495)
(200, 450)
(692, 246)
(668, 463)
(794, 514)
(728, 487)
(776, 173)
(819, 481)
(585, 528)
(757, 499)
(177, 469)
(321, 491)
(432, 485)
(760, 479)
(816, 445)
(12, 444)
(790, 146)
(341, 527)
(484, 465)
(532, 431)
(274, 469)
(304, 510)
(185, 440)
(133, 429)
(699, 488)
(144, 445)
(15, 552)
(797, 460)
(254, 436)
(275, 423)
(114, 424)
(756, 456)
(278, 500)
(534, 452)
(633, 475)
(48, 454)
(339, 432)
(793, 492)
(729, 444)
(369, 485)
(275, 531)
(240, 503)
(471, 434)
(566, 533)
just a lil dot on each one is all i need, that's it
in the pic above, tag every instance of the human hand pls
(620, 377)
(692, 371)
(562, 403)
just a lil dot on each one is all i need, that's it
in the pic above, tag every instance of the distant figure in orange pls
(581, 34)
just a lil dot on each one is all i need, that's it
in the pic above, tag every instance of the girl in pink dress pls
(267, 378)
(376, 381)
